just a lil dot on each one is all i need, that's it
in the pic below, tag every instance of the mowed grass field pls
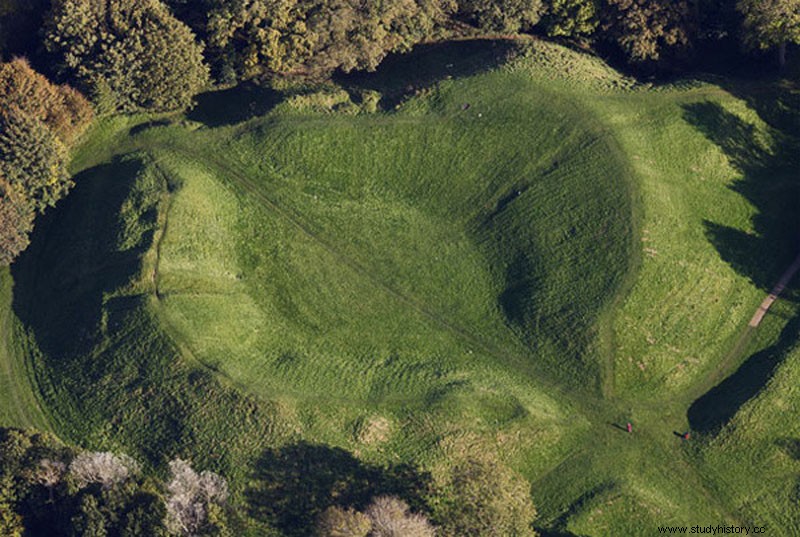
(518, 260)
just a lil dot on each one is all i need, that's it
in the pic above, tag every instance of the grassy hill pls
(518, 259)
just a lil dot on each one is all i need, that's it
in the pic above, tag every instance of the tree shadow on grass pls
(74, 260)
(717, 406)
(292, 485)
(234, 105)
(770, 182)
(401, 75)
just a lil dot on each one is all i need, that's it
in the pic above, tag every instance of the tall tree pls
(38, 122)
(248, 37)
(61, 108)
(645, 29)
(16, 222)
(771, 24)
(502, 15)
(32, 159)
(570, 18)
(129, 54)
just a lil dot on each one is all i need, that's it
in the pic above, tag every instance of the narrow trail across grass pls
(775, 293)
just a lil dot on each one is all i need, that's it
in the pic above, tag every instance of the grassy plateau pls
(491, 246)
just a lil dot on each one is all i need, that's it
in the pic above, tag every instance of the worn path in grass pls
(775, 293)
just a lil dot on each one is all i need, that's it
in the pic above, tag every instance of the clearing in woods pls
(281, 274)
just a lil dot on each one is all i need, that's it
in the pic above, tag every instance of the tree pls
(38, 122)
(190, 496)
(771, 24)
(391, 517)
(89, 521)
(248, 37)
(128, 54)
(32, 159)
(104, 468)
(10, 522)
(480, 497)
(337, 521)
(16, 222)
(570, 18)
(61, 108)
(50, 473)
(145, 517)
(502, 15)
(645, 29)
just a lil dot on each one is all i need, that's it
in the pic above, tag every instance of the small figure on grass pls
(685, 436)
(629, 427)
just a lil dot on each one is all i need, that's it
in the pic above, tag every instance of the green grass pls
(18, 405)
(569, 252)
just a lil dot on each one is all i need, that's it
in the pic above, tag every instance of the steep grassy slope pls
(517, 261)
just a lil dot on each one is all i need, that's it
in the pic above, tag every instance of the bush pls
(480, 497)
(339, 522)
(32, 159)
(131, 53)
(391, 517)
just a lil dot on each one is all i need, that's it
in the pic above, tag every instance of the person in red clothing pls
(629, 427)
(686, 435)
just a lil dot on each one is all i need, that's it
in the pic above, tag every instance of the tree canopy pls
(38, 123)
(502, 15)
(248, 37)
(771, 23)
(128, 55)
(645, 29)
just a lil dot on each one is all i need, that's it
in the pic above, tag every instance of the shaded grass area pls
(293, 485)
(752, 462)
(403, 75)
(19, 406)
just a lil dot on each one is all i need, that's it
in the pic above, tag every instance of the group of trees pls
(49, 489)
(39, 122)
(152, 54)
(129, 55)
(248, 37)
(474, 496)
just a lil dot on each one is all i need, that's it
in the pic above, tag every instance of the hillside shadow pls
(234, 105)
(292, 485)
(717, 406)
(61, 281)
(401, 75)
(769, 182)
